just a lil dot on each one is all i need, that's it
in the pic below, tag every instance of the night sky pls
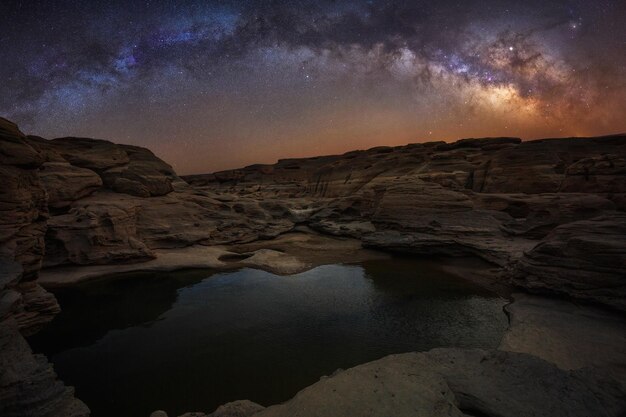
(215, 85)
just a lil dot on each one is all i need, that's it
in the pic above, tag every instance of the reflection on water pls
(191, 340)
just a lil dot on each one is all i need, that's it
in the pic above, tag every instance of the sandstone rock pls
(568, 335)
(93, 154)
(599, 174)
(66, 183)
(23, 216)
(184, 218)
(96, 234)
(139, 178)
(492, 143)
(242, 408)
(34, 308)
(534, 216)
(585, 260)
(457, 382)
(122, 168)
(15, 150)
(487, 197)
(275, 261)
(28, 384)
(198, 257)
(403, 202)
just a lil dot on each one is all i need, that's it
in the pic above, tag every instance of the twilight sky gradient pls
(209, 85)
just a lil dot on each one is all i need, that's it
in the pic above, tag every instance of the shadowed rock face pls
(23, 217)
(28, 386)
(114, 203)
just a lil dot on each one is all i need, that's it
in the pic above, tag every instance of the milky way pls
(214, 85)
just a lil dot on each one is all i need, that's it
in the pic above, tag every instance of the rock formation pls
(549, 215)
(456, 382)
(585, 259)
(451, 383)
(499, 199)
(28, 386)
(549, 212)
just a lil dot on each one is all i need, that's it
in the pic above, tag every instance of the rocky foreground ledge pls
(450, 383)
(548, 216)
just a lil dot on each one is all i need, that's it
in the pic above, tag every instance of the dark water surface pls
(192, 340)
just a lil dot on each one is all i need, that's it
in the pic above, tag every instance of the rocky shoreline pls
(547, 216)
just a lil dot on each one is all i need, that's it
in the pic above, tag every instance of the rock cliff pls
(28, 386)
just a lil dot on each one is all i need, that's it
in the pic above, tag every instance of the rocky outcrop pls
(95, 234)
(23, 217)
(603, 173)
(121, 168)
(113, 203)
(240, 408)
(457, 383)
(567, 334)
(28, 384)
(66, 183)
(491, 198)
(585, 260)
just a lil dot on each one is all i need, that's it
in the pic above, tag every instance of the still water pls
(192, 340)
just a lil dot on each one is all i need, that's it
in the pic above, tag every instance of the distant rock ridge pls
(500, 199)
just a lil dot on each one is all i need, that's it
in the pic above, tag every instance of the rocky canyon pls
(542, 222)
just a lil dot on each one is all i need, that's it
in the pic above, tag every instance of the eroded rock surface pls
(500, 199)
(548, 214)
(568, 335)
(457, 383)
(584, 260)
(28, 384)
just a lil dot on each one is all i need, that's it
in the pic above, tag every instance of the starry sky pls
(211, 85)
